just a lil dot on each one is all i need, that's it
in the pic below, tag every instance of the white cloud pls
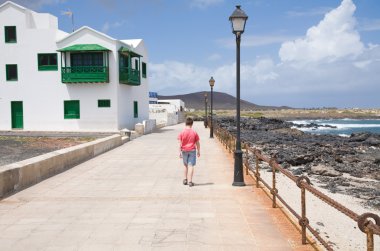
(332, 72)
(203, 4)
(254, 41)
(333, 38)
(173, 77)
(341, 83)
(308, 13)
(107, 26)
(214, 57)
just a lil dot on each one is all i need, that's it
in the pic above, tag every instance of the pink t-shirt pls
(188, 138)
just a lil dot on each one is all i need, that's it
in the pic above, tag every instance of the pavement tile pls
(124, 200)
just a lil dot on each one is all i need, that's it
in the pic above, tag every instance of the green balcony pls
(84, 63)
(129, 76)
(85, 74)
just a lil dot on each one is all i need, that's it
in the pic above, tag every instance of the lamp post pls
(238, 20)
(205, 121)
(211, 82)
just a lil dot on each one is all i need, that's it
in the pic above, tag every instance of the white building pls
(168, 111)
(178, 104)
(82, 81)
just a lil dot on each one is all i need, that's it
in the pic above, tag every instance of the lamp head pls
(238, 20)
(212, 82)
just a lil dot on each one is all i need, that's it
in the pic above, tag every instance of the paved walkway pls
(132, 198)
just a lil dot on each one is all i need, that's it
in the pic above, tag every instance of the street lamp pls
(211, 82)
(238, 20)
(205, 121)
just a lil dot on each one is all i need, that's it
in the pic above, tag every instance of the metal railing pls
(85, 74)
(370, 228)
(129, 76)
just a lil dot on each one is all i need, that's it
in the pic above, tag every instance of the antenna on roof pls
(69, 13)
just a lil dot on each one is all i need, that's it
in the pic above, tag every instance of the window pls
(136, 64)
(47, 62)
(87, 59)
(104, 103)
(10, 34)
(135, 109)
(144, 70)
(11, 71)
(71, 109)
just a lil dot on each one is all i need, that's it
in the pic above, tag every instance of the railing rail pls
(367, 226)
(129, 76)
(85, 74)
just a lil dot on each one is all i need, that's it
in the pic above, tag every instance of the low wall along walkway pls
(17, 176)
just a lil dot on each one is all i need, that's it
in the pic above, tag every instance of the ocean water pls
(344, 127)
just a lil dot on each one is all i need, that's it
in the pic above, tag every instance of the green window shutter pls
(10, 34)
(144, 70)
(71, 109)
(11, 72)
(135, 109)
(104, 103)
(86, 59)
(47, 62)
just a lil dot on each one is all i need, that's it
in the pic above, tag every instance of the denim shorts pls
(189, 158)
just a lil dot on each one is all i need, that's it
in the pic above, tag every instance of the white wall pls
(43, 93)
(127, 94)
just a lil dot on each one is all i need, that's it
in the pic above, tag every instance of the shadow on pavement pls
(204, 184)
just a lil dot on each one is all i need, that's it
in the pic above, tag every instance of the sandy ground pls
(17, 148)
(335, 227)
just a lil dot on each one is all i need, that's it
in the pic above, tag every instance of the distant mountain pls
(222, 101)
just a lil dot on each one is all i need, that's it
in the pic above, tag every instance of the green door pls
(17, 115)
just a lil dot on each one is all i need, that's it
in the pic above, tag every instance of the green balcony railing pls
(85, 74)
(129, 76)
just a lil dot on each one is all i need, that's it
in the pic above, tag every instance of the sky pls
(297, 53)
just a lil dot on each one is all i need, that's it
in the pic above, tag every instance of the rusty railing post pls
(257, 173)
(363, 223)
(246, 158)
(370, 244)
(273, 191)
(303, 221)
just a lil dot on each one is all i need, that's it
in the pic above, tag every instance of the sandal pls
(191, 184)
(185, 181)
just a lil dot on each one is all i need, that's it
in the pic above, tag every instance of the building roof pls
(12, 4)
(84, 47)
(129, 51)
(132, 42)
(84, 28)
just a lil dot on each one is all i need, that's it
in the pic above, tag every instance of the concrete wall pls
(19, 175)
(149, 125)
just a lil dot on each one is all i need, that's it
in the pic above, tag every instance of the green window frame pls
(144, 70)
(71, 109)
(137, 64)
(11, 72)
(135, 109)
(47, 61)
(10, 34)
(104, 103)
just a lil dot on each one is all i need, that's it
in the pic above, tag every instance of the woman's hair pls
(189, 121)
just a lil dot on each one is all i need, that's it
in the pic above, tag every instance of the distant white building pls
(82, 81)
(168, 111)
(178, 104)
(153, 98)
